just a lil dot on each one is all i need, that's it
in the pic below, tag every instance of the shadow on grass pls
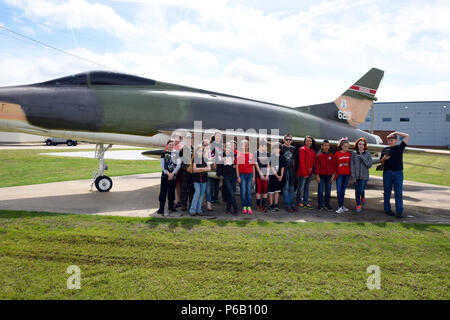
(189, 223)
(8, 214)
(409, 226)
(421, 227)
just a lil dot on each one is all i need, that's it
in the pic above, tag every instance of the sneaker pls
(249, 210)
(340, 210)
(300, 205)
(319, 208)
(329, 208)
(345, 209)
(358, 209)
(389, 213)
(308, 206)
(172, 209)
(244, 210)
(399, 216)
(178, 205)
(363, 201)
(160, 211)
(277, 209)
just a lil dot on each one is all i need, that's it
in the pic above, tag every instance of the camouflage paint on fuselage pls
(146, 109)
(64, 108)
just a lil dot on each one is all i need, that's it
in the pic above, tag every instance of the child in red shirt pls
(343, 160)
(245, 171)
(325, 170)
(306, 160)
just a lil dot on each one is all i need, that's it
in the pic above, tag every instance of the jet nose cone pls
(11, 111)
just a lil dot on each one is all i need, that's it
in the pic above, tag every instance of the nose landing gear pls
(102, 183)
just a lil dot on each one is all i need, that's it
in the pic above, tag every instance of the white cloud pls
(292, 58)
(75, 14)
(245, 71)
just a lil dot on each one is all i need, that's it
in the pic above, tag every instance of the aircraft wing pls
(206, 134)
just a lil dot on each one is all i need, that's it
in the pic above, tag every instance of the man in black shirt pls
(392, 159)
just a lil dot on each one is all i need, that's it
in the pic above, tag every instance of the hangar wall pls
(428, 122)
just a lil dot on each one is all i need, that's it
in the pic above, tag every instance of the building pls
(428, 122)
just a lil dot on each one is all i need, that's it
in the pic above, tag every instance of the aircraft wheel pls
(103, 183)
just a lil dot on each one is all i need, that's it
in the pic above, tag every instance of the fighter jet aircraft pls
(112, 108)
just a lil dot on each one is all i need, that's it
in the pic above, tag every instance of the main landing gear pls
(102, 183)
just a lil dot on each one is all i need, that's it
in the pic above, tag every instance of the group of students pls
(282, 171)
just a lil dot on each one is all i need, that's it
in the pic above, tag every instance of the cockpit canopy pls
(99, 78)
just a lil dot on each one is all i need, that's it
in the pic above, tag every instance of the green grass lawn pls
(424, 168)
(24, 167)
(150, 258)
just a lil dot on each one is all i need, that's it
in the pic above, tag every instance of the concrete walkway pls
(137, 196)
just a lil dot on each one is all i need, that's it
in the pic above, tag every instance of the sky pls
(287, 52)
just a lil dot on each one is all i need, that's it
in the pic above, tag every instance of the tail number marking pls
(345, 115)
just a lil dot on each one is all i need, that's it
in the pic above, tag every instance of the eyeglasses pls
(288, 139)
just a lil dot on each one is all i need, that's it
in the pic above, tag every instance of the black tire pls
(54, 143)
(75, 143)
(69, 143)
(103, 183)
(48, 142)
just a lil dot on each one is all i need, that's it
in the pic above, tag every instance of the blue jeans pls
(196, 205)
(229, 185)
(341, 185)
(303, 187)
(208, 190)
(214, 185)
(324, 185)
(246, 189)
(393, 178)
(360, 190)
(288, 193)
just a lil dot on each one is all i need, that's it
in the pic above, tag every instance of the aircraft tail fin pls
(354, 104)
